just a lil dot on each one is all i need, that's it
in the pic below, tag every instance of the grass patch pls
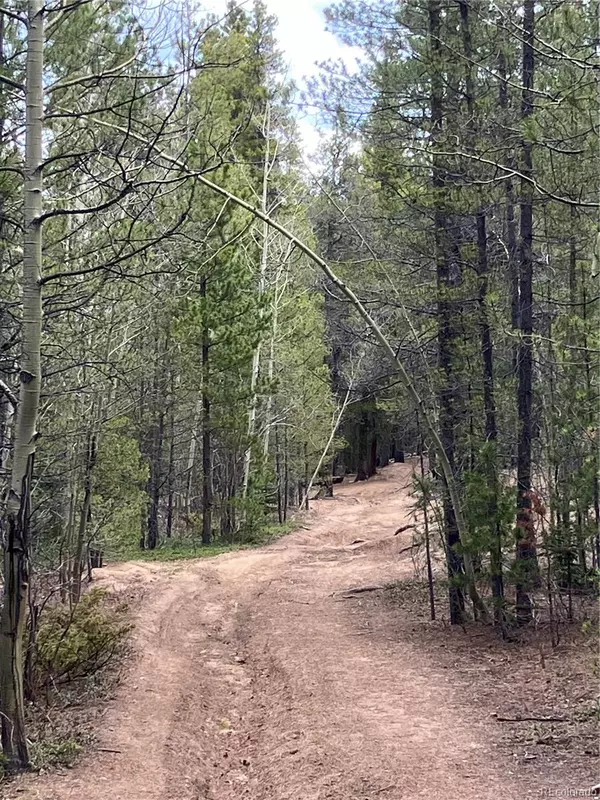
(179, 548)
(172, 550)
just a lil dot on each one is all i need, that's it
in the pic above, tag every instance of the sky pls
(304, 41)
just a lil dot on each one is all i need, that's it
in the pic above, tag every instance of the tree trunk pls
(7, 412)
(16, 518)
(362, 444)
(156, 443)
(192, 456)
(589, 367)
(487, 352)
(526, 559)
(207, 487)
(155, 481)
(491, 429)
(66, 567)
(14, 615)
(171, 468)
(262, 275)
(86, 511)
(304, 484)
(373, 457)
(279, 477)
(446, 322)
(334, 428)
(510, 217)
(428, 563)
(271, 373)
(397, 451)
(286, 474)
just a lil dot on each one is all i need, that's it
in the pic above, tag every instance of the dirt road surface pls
(252, 679)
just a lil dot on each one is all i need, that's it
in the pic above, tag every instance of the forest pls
(205, 329)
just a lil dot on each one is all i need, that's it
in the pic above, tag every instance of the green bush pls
(74, 643)
(54, 754)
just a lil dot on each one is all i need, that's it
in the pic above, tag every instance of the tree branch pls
(11, 83)
(9, 394)
(13, 15)
(97, 77)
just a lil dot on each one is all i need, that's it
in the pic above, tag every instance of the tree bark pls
(192, 455)
(510, 216)
(155, 481)
(207, 486)
(491, 428)
(526, 559)
(155, 446)
(447, 332)
(366, 440)
(334, 428)
(171, 466)
(86, 510)
(14, 614)
(286, 474)
(271, 360)
(16, 519)
(262, 275)
(430, 583)
(279, 476)
(373, 456)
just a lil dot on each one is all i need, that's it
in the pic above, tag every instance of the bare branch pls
(13, 15)
(9, 394)
(12, 84)
(95, 77)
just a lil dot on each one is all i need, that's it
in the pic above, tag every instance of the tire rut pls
(252, 680)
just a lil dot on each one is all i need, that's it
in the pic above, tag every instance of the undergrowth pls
(74, 643)
(181, 548)
(62, 753)
(74, 668)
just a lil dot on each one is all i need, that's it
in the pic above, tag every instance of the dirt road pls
(253, 679)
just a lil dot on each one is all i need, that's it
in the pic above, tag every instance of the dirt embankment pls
(253, 678)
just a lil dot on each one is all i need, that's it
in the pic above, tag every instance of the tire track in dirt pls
(251, 679)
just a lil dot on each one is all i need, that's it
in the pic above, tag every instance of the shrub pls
(54, 754)
(75, 642)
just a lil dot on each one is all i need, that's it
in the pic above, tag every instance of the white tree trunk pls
(277, 295)
(30, 372)
(270, 375)
(262, 276)
(16, 522)
(192, 454)
(334, 428)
